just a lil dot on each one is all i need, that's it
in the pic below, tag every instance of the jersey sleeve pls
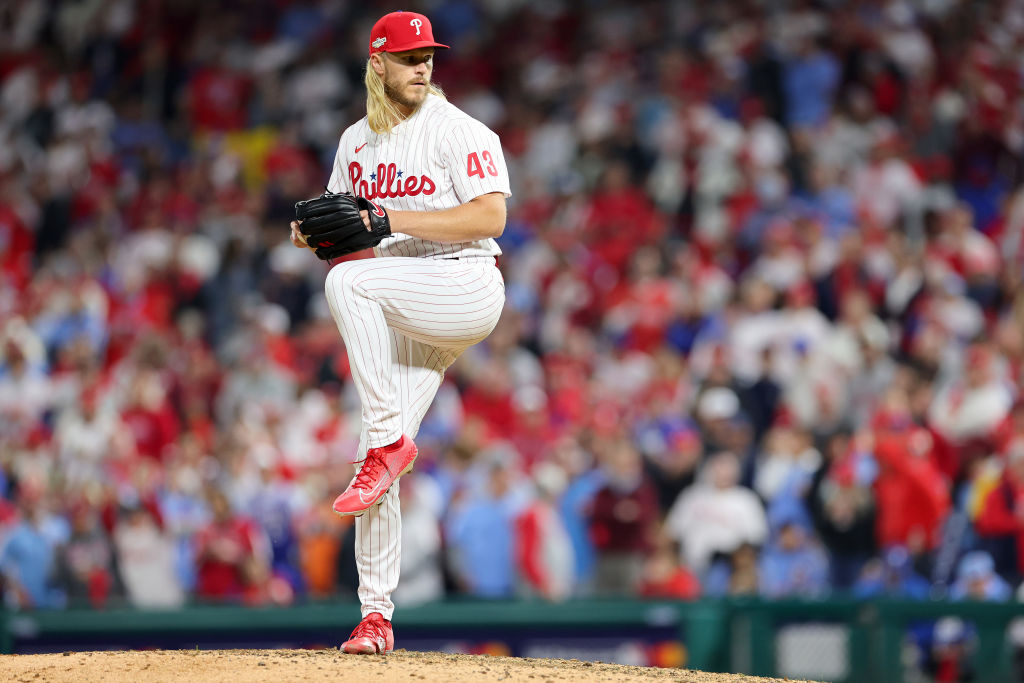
(472, 154)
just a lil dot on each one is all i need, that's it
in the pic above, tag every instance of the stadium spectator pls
(480, 528)
(949, 648)
(84, 437)
(28, 556)
(25, 387)
(544, 558)
(810, 78)
(913, 496)
(231, 556)
(86, 563)
(788, 462)
(574, 505)
(623, 515)
(145, 560)
(976, 579)
(184, 512)
(792, 562)
(672, 466)
(716, 515)
(273, 504)
(422, 571)
(665, 577)
(320, 541)
(891, 575)
(972, 407)
(1000, 521)
(733, 574)
(840, 502)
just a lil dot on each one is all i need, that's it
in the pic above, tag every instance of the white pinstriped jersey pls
(438, 158)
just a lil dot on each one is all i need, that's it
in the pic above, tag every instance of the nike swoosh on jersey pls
(360, 148)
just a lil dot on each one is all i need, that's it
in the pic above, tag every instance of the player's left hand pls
(298, 239)
(336, 224)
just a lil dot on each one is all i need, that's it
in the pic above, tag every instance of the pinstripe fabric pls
(406, 315)
(448, 305)
(420, 369)
(404, 322)
(437, 159)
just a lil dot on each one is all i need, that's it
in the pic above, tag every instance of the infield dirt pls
(250, 666)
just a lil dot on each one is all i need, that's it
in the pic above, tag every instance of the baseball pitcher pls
(425, 185)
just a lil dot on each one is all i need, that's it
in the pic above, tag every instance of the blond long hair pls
(381, 112)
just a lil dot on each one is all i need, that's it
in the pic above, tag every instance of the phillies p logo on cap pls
(401, 31)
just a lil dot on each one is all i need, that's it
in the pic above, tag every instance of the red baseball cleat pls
(373, 636)
(379, 471)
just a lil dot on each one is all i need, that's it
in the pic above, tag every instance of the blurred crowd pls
(764, 331)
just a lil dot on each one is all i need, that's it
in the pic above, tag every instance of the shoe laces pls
(370, 471)
(373, 626)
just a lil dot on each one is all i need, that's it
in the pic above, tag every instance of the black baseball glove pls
(333, 227)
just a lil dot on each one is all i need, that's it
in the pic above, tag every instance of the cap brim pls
(417, 45)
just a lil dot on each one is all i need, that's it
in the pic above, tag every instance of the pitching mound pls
(244, 666)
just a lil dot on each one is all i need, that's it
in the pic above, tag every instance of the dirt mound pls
(245, 666)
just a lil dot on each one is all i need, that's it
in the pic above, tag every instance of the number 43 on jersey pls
(474, 167)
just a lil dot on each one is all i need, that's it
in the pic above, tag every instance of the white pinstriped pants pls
(404, 321)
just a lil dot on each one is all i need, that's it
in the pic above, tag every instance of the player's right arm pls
(472, 156)
(477, 219)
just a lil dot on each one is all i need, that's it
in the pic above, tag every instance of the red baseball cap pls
(401, 31)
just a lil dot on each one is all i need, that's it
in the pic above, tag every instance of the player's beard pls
(397, 92)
